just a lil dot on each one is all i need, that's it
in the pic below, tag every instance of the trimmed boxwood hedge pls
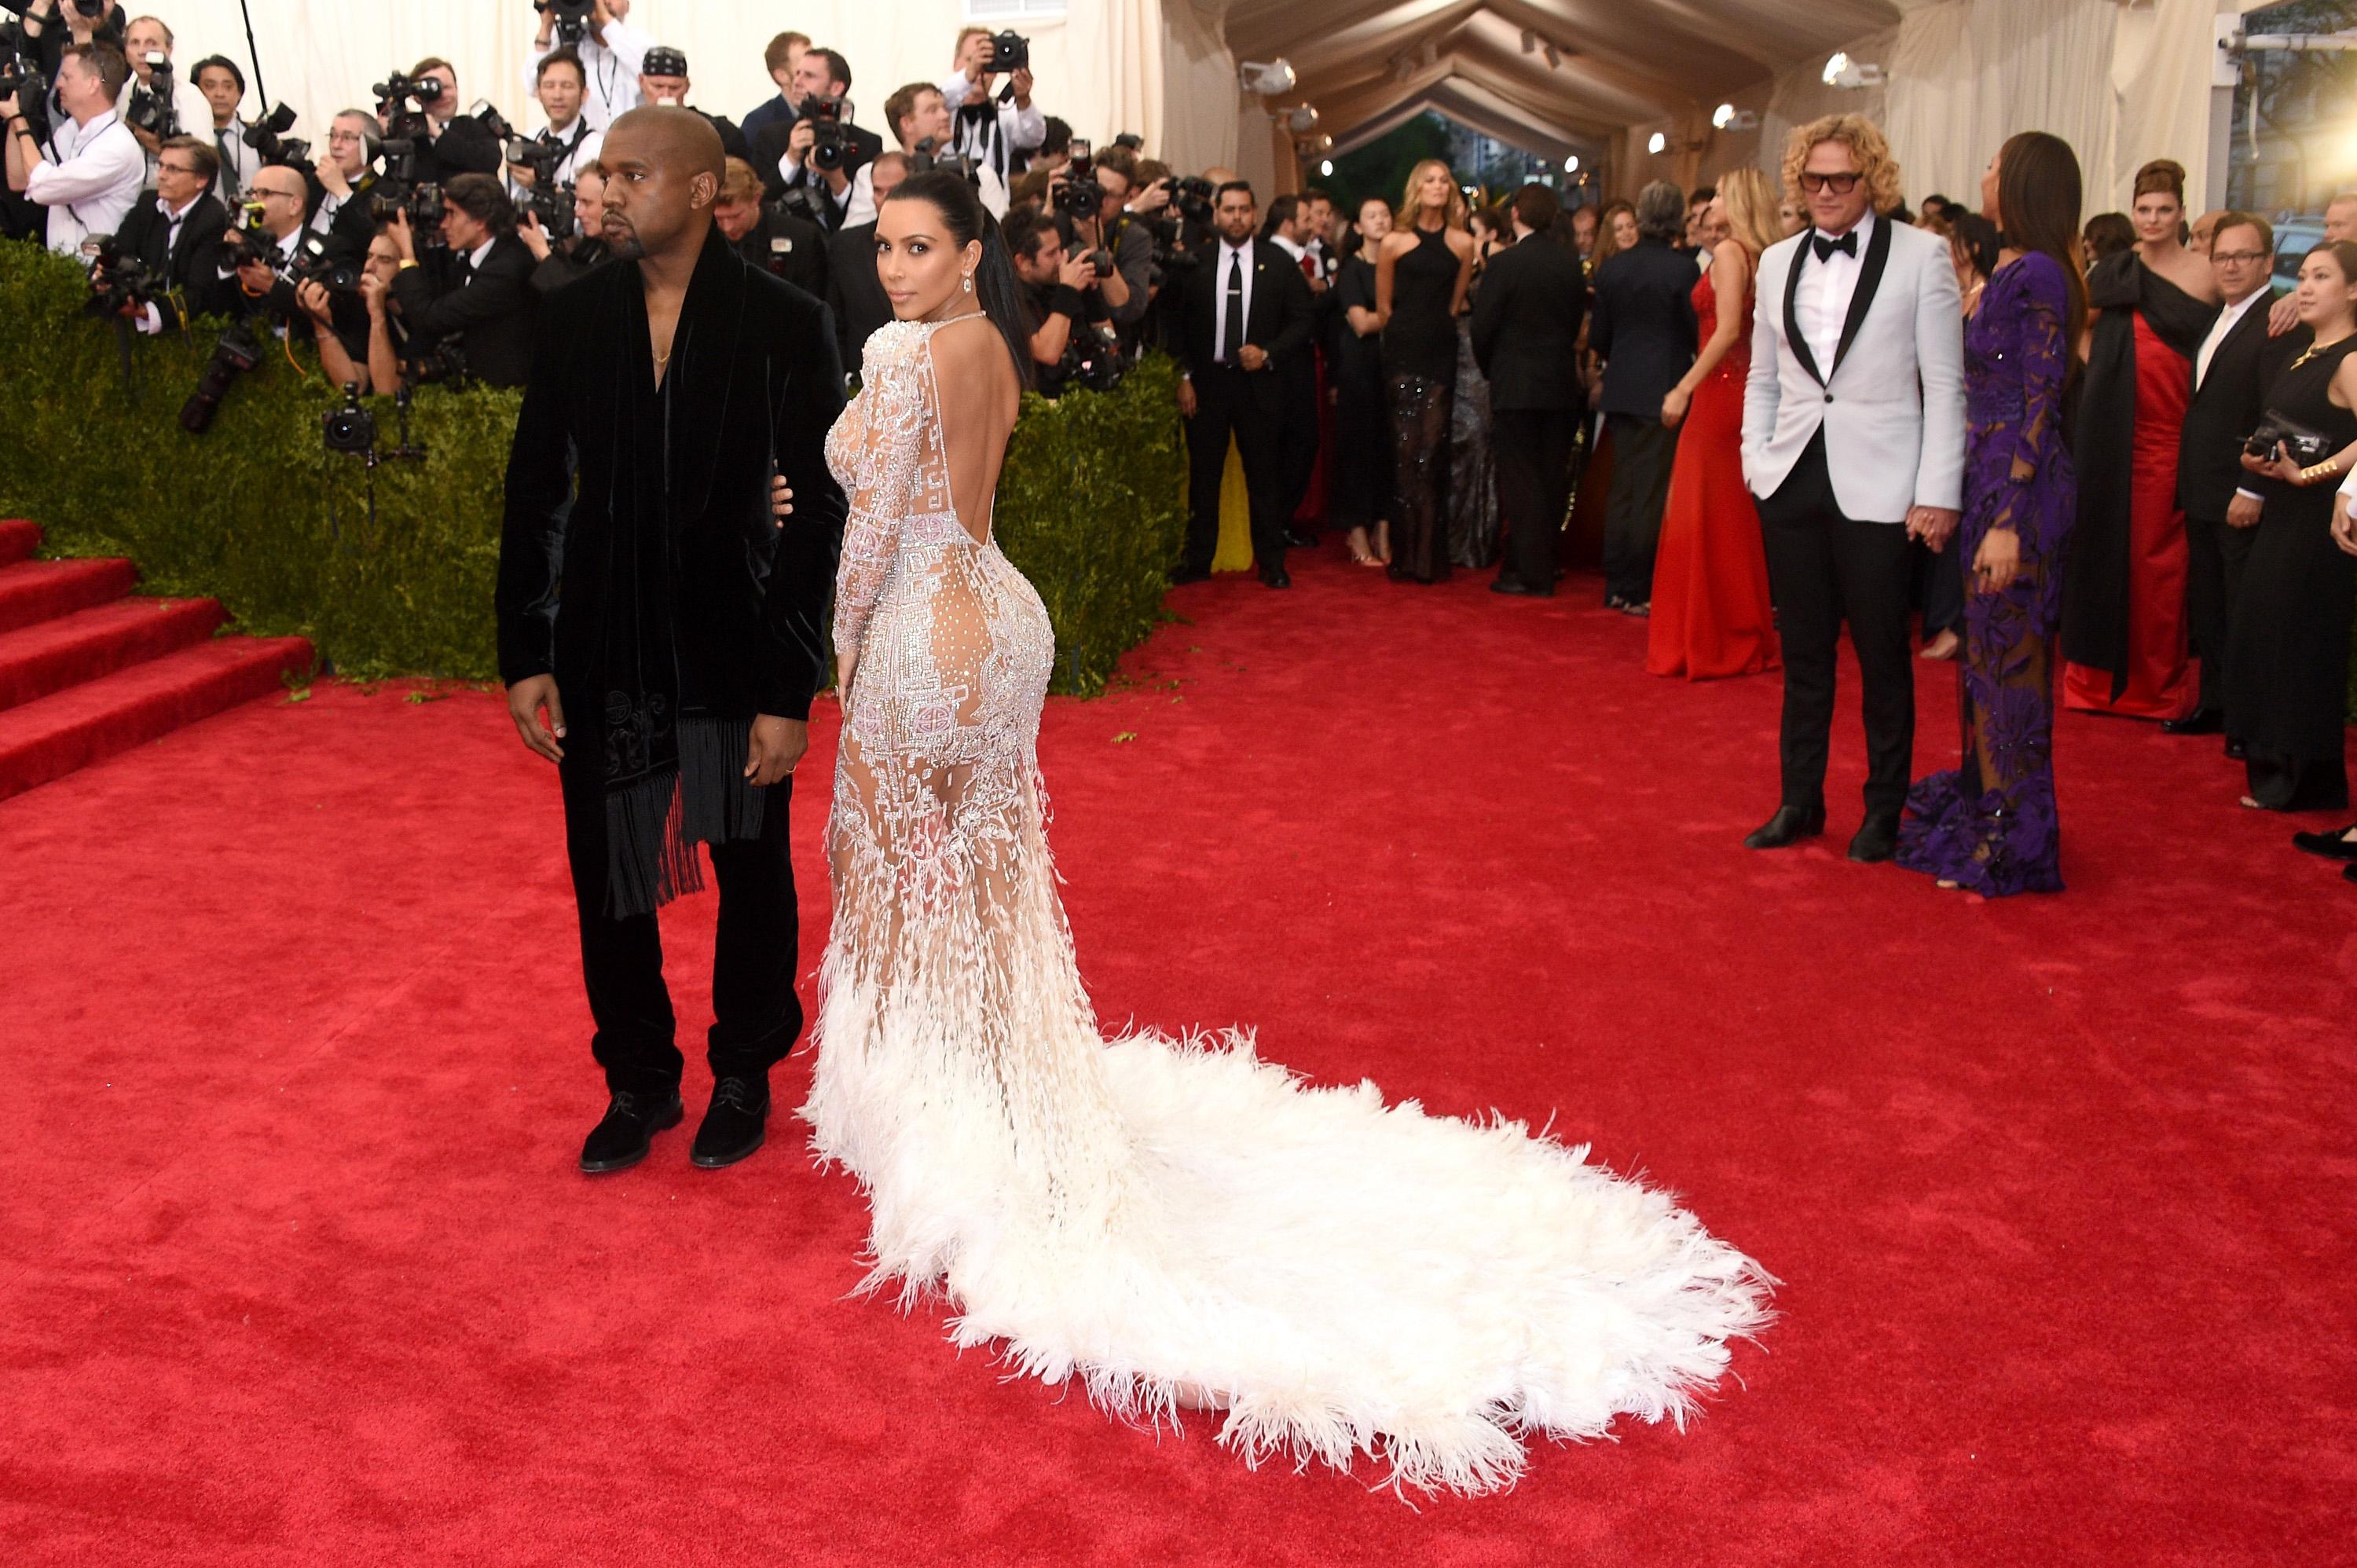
(257, 513)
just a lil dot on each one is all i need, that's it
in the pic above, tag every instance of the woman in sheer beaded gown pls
(1171, 1221)
(1422, 271)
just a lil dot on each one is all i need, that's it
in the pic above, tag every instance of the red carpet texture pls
(297, 1269)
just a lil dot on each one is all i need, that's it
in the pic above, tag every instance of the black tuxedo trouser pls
(1533, 448)
(1248, 404)
(1824, 569)
(1300, 438)
(1643, 452)
(2214, 582)
(756, 1012)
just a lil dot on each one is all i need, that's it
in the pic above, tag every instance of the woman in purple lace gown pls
(1989, 825)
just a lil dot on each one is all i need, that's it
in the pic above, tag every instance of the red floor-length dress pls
(2162, 679)
(1711, 615)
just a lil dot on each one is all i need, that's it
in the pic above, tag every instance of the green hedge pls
(257, 513)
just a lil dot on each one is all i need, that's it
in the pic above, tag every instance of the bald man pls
(668, 628)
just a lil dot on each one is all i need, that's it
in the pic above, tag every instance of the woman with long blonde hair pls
(1421, 276)
(1711, 612)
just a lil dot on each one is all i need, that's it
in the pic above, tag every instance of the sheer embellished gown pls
(1420, 374)
(1173, 1222)
(1990, 824)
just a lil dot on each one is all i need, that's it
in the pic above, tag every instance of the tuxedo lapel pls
(1869, 278)
(1792, 333)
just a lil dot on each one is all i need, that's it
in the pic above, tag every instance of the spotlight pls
(1303, 119)
(1844, 72)
(1571, 164)
(1721, 115)
(1656, 143)
(1836, 64)
(1326, 170)
(1271, 79)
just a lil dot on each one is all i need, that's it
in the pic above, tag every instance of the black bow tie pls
(1847, 245)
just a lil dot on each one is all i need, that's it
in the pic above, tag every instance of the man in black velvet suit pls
(1525, 334)
(1247, 310)
(2231, 372)
(669, 628)
(1643, 326)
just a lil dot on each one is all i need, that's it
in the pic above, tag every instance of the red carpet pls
(299, 1270)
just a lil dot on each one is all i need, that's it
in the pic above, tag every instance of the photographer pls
(264, 254)
(1060, 291)
(799, 157)
(361, 339)
(560, 262)
(664, 83)
(53, 26)
(479, 291)
(1102, 223)
(780, 59)
(163, 104)
(89, 170)
(612, 53)
(568, 141)
(852, 290)
(178, 236)
(1003, 134)
(770, 238)
(222, 86)
(920, 118)
(450, 142)
(345, 187)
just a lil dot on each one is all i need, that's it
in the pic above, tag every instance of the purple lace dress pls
(1990, 824)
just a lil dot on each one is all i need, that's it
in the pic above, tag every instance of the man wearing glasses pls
(89, 170)
(2231, 372)
(343, 184)
(1854, 442)
(280, 195)
(177, 233)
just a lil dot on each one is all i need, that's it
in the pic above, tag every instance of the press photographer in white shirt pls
(145, 38)
(612, 55)
(91, 169)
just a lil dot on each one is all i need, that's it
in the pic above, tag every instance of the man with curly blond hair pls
(1854, 442)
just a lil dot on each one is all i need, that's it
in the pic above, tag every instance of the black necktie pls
(1847, 245)
(465, 271)
(228, 169)
(1232, 310)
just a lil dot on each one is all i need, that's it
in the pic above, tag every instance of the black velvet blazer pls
(640, 558)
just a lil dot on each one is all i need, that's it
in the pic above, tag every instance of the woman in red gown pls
(2124, 615)
(1711, 615)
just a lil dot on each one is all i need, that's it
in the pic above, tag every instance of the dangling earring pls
(969, 283)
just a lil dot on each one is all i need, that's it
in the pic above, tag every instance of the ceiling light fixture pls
(1271, 79)
(1844, 72)
(1656, 143)
(1571, 164)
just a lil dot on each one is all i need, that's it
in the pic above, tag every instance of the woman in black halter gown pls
(1420, 280)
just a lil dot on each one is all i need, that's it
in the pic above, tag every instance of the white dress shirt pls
(612, 67)
(592, 143)
(994, 139)
(152, 320)
(1229, 255)
(2224, 324)
(1827, 286)
(92, 180)
(476, 258)
(239, 163)
(188, 107)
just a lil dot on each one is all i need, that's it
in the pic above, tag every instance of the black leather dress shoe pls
(2332, 846)
(1877, 840)
(734, 1123)
(2208, 722)
(628, 1131)
(1789, 826)
(1300, 539)
(1277, 577)
(1513, 586)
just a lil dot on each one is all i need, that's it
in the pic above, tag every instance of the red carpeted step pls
(34, 591)
(51, 738)
(18, 540)
(95, 643)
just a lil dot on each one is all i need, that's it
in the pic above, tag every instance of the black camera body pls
(545, 198)
(422, 202)
(235, 353)
(1009, 51)
(268, 137)
(2308, 447)
(152, 108)
(1092, 360)
(830, 145)
(929, 156)
(401, 103)
(118, 280)
(1081, 195)
(1192, 197)
(350, 429)
(571, 19)
(444, 363)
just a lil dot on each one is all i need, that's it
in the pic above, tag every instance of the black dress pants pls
(2214, 582)
(756, 1014)
(1643, 451)
(1532, 450)
(1299, 441)
(1248, 404)
(1824, 569)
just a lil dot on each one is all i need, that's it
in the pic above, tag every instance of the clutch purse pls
(2308, 447)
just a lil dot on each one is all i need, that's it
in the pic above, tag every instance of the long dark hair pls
(2037, 192)
(968, 221)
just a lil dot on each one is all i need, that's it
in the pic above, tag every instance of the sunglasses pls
(1839, 184)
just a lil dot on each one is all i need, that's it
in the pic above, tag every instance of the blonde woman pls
(1711, 612)
(1421, 276)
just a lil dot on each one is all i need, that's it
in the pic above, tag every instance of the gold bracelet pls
(2328, 469)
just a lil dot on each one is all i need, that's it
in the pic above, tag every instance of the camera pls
(350, 429)
(1010, 52)
(445, 362)
(401, 102)
(118, 280)
(1092, 360)
(571, 18)
(804, 203)
(1192, 197)
(928, 157)
(829, 144)
(268, 137)
(424, 205)
(1081, 195)
(551, 201)
(20, 70)
(235, 353)
(152, 109)
(2308, 447)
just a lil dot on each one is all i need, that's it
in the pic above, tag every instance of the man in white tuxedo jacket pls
(1854, 443)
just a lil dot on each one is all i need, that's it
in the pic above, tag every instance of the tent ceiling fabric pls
(1367, 63)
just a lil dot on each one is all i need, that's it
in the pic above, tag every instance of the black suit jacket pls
(466, 145)
(1641, 324)
(1525, 326)
(1280, 319)
(2226, 407)
(785, 246)
(855, 292)
(352, 226)
(862, 146)
(755, 387)
(193, 267)
(491, 316)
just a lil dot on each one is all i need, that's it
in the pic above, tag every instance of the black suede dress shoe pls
(622, 1139)
(734, 1124)
(2332, 846)
(1877, 840)
(1789, 826)
(1277, 577)
(2207, 722)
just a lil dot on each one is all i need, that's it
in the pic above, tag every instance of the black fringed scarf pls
(674, 771)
